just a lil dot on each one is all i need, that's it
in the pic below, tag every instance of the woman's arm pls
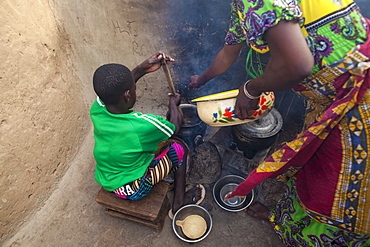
(223, 61)
(291, 61)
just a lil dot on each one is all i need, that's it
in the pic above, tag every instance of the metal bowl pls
(218, 109)
(184, 212)
(223, 187)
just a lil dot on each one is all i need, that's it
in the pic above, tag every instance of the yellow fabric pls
(262, 51)
(312, 13)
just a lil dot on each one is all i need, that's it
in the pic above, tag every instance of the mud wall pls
(42, 120)
(49, 50)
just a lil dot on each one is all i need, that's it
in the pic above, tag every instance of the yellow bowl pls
(218, 109)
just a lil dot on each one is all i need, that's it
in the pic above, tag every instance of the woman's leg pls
(258, 211)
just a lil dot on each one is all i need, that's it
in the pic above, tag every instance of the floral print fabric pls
(329, 38)
(250, 19)
(330, 158)
(296, 228)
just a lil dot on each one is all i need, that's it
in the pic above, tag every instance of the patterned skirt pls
(297, 229)
(169, 158)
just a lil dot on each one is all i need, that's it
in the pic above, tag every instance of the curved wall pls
(42, 120)
(49, 51)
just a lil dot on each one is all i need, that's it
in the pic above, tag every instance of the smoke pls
(196, 30)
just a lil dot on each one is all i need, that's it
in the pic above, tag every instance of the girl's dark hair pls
(110, 81)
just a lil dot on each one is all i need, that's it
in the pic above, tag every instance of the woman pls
(320, 49)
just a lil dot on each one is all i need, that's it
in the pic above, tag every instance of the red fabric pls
(316, 185)
(306, 154)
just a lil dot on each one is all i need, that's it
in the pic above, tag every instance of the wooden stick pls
(170, 82)
(168, 76)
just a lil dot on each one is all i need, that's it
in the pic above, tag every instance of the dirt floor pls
(71, 217)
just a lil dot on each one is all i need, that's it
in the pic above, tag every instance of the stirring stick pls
(169, 81)
(168, 76)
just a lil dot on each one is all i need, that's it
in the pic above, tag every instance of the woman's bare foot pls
(258, 211)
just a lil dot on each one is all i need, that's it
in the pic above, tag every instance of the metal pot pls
(257, 135)
(192, 125)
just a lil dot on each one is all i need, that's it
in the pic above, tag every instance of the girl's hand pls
(151, 64)
(154, 62)
(174, 99)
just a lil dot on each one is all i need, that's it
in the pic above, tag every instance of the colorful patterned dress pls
(327, 202)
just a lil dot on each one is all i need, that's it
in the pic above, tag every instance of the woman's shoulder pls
(256, 17)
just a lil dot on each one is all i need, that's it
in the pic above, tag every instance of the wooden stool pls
(151, 210)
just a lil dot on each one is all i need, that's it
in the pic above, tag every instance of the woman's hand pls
(245, 106)
(223, 61)
(151, 64)
(196, 83)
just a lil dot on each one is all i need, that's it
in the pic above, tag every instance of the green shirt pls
(125, 144)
